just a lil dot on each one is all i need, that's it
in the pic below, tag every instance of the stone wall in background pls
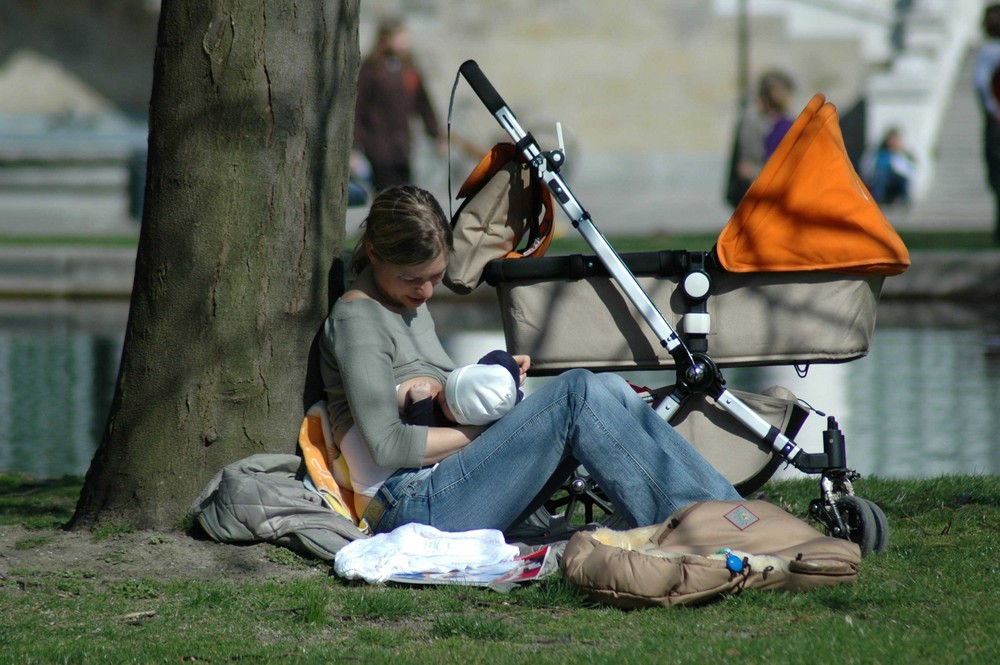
(106, 46)
(646, 91)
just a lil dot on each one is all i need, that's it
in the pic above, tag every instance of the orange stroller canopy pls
(809, 210)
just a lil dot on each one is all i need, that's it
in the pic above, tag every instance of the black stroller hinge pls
(547, 160)
(699, 374)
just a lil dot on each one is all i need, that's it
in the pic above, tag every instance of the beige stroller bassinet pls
(794, 278)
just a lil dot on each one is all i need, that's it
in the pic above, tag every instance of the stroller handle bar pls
(481, 85)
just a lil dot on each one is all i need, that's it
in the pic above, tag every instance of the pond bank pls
(100, 272)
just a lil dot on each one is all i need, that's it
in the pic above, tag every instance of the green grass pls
(37, 504)
(930, 599)
(949, 241)
(120, 240)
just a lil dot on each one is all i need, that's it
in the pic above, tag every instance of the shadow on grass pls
(37, 502)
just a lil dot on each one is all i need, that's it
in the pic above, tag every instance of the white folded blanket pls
(417, 548)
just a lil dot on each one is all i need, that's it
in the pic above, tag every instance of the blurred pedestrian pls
(390, 94)
(901, 15)
(760, 130)
(986, 79)
(891, 169)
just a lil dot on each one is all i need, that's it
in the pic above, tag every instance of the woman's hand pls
(524, 363)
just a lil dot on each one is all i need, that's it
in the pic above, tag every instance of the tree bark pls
(239, 254)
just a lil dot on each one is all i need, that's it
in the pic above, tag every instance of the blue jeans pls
(640, 462)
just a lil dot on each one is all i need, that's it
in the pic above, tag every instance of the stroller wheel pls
(860, 521)
(881, 528)
(581, 501)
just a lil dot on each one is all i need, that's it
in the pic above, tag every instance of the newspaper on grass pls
(500, 576)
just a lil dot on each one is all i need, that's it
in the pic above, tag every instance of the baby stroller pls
(793, 279)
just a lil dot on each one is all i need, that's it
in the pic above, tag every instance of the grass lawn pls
(931, 598)
(120, 240)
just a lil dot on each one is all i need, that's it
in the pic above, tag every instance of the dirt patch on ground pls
(145, 554)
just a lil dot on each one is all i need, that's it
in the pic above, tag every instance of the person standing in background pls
(760, 131)
(986, 80)
(901, 14)
(390, 93)
(771, 121)
(891, 169)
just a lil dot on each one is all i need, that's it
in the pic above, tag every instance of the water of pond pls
(924, 402)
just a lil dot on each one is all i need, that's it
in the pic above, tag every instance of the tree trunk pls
(239, 255)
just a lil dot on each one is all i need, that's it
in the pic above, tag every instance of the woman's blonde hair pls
(405, 226)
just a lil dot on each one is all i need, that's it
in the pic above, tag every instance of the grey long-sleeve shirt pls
(366, 351)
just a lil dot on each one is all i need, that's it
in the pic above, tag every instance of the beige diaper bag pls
(706, 550)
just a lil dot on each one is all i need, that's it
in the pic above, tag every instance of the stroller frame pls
(841, 513)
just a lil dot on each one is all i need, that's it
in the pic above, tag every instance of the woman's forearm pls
(443, 442)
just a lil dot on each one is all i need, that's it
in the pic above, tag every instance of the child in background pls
(891, 170)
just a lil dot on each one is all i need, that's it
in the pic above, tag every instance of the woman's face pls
(399, 42)
(409, 286)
